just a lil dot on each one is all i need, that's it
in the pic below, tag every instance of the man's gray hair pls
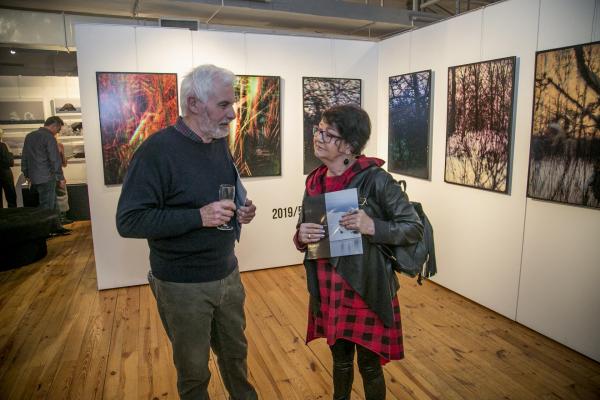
(200, 83)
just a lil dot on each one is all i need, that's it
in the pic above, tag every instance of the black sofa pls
(23, 234)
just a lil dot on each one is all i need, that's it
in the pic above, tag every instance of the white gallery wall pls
(43, 88)
(532, 261)
(267, 242)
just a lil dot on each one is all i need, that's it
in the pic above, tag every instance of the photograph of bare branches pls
(564, 158)
(408, 126)
(318, 95)
(255, 134)
(479, 125)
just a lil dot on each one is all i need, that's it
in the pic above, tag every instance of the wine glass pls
(226, 192)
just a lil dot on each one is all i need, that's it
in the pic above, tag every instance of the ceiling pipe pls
(136, 9)
(363, 27)
(427, 3)
(65, 31)
(457, 11)
(216, 12)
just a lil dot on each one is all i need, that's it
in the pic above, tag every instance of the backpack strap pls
(367, 186)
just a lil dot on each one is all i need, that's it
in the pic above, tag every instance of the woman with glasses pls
(353, 302)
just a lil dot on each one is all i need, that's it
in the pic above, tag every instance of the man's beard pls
(220, 132)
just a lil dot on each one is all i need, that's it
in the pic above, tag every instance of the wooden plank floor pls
(61, 338)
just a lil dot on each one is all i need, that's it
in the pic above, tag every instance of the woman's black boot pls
(372, 374)
(343, 369)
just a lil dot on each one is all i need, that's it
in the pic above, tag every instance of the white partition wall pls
(267, 241)
(532, 261)
(478, 233)
(560, 273)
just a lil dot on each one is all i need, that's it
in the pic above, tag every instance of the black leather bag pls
(416, 260)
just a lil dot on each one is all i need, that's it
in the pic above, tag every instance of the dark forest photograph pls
(318, 95)
(255, 134)
(132, 107)
(564, 159)
(408, 126)
(479, 125)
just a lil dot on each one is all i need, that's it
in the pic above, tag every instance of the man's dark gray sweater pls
(169, 179)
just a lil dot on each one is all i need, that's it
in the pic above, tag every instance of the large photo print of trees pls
(479, 125)
(564, 160)
(132, 107)
(255, 134)
(408, 126)
(318, 95)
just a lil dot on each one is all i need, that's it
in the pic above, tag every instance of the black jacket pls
(370, 274)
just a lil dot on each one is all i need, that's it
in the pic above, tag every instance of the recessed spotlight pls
(13, 52)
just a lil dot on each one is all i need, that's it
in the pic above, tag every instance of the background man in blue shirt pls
(41, 164)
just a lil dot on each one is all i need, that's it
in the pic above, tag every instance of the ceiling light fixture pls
(13, 52)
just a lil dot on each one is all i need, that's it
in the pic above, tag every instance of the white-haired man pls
(170, 197)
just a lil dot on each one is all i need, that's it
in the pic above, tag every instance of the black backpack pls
(416, 260)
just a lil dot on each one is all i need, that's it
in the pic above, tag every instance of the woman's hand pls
(246, 213)
(359, 221)
(310, 233)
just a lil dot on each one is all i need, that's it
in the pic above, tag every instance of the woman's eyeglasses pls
(326, 137)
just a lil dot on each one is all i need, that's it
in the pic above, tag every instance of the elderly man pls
(41, 165)
(170, 197)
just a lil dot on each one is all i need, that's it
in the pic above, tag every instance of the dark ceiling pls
(356, 19)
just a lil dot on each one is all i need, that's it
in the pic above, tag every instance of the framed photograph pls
(319, 94)
(479, 124)
(132, 106)
(255, 134)
(564, 157)
(408, 124)
(21, 112)
(65, 107)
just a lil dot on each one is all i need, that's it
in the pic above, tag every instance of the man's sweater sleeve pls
(141, 212)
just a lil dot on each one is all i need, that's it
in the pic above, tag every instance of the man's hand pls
(246, 213)
(217, 213)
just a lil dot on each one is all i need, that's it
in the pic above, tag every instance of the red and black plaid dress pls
(343, 314)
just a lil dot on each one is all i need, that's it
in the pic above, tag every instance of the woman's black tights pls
(343, 371)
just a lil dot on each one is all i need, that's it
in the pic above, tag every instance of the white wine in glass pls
(226, 192)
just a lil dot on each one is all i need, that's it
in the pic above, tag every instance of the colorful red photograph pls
(132, 107)
(255, 134)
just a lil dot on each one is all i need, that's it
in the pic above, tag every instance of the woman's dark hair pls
(352, 123)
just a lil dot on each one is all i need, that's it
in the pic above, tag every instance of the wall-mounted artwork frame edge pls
(280, 85)
(429, 126)
(99, 108)
(511, 127)
(527, 189)
(303, 78)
